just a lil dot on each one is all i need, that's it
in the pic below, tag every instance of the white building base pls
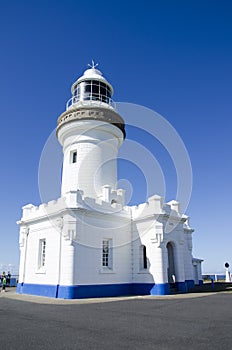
(74, 229)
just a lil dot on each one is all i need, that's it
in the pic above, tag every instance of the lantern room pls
(91, 88)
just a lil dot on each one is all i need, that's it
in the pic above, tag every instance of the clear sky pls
(172, 56)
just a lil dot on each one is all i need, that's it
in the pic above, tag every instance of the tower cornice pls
(91, 113)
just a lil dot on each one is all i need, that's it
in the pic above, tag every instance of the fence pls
(13, 281)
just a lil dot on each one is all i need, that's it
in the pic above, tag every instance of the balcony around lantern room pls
(90, 100)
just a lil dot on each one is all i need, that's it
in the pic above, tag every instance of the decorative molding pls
(24, 232)
(158, 239)
(94, 113)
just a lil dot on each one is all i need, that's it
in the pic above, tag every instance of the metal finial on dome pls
(94, 65)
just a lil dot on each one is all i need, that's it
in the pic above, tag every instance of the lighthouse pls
(88, 242)
(90, 132)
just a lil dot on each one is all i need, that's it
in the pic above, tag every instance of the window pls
(92, 90)
(73, 157)
(106, 253)
(42, 252)
(95, 88)
(143, 257)
(88, 87)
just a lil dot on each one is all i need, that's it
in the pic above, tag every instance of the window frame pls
(42, 254)
(106, 254)
(73, 154)
(92, 89)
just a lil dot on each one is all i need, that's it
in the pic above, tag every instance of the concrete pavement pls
(193, 321)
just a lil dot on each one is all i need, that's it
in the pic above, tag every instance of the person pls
(3, 282)
(8, 278)
(3, 274)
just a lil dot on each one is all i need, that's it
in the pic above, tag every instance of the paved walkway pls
(11, 294)
(178, 322)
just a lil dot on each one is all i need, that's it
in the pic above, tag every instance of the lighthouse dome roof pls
(92, 74)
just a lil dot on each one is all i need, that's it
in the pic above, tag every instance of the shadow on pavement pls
(210, 287)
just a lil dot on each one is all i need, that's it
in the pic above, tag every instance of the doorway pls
(171, 264)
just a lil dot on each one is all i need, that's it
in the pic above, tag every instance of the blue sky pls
(173, 57)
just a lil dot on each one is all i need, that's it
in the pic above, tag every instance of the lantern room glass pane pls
(88, 88)
(92, 90)
(95, 87)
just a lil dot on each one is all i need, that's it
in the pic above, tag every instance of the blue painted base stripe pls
(190, 284)
(93, 291)
(181, 286)
(37, 289)
(102, 290)
(161, 289)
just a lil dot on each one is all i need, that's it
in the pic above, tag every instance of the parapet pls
(32, 212)
(112, 201)
(155, 206)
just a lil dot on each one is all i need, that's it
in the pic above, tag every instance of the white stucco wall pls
(74, 248)
(96, 144)
(29, 269)
(93, 228)
(74, 238)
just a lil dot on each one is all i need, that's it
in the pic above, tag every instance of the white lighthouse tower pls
(88, 243)
(90, 132)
